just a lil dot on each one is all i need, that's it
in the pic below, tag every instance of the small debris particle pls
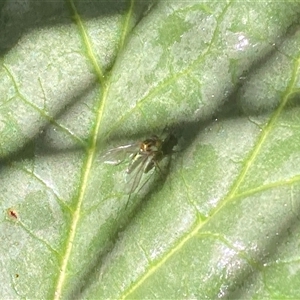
(12, 213)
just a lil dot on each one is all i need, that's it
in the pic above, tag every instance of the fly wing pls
(134, 175)
(117, 155)
(136, 160)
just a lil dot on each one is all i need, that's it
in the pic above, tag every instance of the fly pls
(143, 157)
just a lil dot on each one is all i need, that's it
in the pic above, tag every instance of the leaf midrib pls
(93, 144)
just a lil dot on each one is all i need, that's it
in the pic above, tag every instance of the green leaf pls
(220, 218)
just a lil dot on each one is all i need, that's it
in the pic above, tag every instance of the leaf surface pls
(220, 218)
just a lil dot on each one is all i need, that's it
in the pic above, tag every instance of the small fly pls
(143, 157)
